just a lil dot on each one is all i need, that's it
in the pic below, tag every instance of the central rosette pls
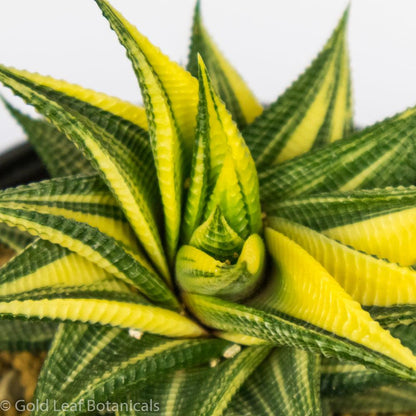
(222, 252)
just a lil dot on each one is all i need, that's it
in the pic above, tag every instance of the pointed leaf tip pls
(232, 89)
(290, 127)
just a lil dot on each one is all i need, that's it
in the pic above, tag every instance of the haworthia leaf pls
(281, 329)
(223, 173)
(229, 377)
(113, 105)
(82, 198)
(198, 272)
(43, 264)
(92, 244)
(170, 96)
(343, 378)
(14, 238)
(199, 180)
(237, 97)
(105, 363)
(229, 152)
(200, 391)
(381, 155)
(19, 335)
(369, 280)
(241, 339)
(117, 148)
(227, 194)
(216, 237)
(301, 280)
(58, 154)
(314, 110)
(178, 85)
(106, 302)
(377, 221)
(285, 383)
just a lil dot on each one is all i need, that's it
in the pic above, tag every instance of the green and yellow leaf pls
(216, 237)
(315, 110)
(105, 302)
(107, 362)
(343, 380)
(377, 221)
(233, 176)
(198, 272)
(116, 147)
(170, 95)
(89, 242)
(379, 156)
(43, 264)
(232, 89)
(367, 279)
(113, 105)
(286, 374)
(303, 289)
(204, 390)
(278, 328)
(85, 199)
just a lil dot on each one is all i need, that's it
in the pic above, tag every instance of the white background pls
(269, 41)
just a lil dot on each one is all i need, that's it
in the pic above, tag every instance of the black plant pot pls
(20, 165)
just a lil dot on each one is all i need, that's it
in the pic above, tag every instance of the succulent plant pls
(204, 255)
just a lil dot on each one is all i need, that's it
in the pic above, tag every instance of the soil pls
(18, 376)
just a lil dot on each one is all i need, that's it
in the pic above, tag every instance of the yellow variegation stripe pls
(225, 135)
(370, 281)
(286, 383)
(228, 196)
(356, 181)
(314, 110)
(118, 229)
(77, 237)
(238, 370)
(305, 290)
(198, 272)
(62, 239)
(179, 86)
(167, 150)
(303, 136)
(170, 94)
(238, 98)
(342, 111)
(106, 312)
(124, 109)
(139, 215)
(99, 146)
(391, 236)
(69, 270)
(240, 338)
